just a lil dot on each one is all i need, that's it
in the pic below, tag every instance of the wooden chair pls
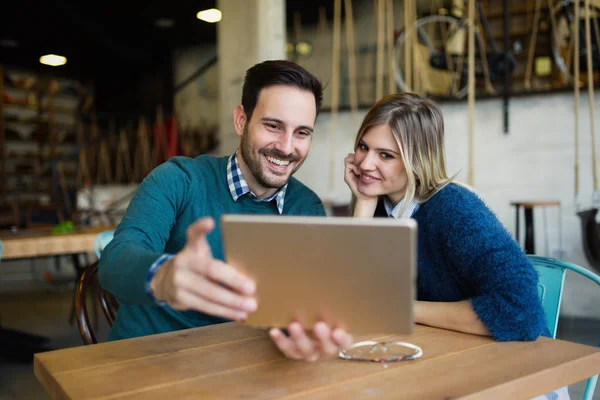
(89, 283)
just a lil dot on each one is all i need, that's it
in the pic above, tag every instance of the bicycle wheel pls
(563, 37)
(440, 56)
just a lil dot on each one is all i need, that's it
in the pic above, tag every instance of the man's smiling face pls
(276, 140)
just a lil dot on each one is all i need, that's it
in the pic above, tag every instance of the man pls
(165, 263)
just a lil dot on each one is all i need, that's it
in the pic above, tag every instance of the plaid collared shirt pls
(238, 186)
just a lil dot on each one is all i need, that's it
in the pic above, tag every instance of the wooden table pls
(28, 243)
(41, 242)
(234, 361)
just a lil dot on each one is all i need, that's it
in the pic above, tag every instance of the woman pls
(472, 276)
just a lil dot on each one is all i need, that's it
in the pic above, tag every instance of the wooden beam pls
(351, 50)
(471, 88)
(335, 88)
(2, 140)
(380, 7)
(590, 79)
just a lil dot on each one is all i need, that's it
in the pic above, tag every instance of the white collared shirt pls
(393, 212)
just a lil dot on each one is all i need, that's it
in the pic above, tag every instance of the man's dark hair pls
(278, 72)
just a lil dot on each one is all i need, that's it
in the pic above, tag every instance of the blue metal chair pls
(102, 240)
(551, 279)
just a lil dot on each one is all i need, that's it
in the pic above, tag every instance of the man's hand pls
(194, 280)
(299, 346)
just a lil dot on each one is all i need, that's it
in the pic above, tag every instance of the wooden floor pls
(31, 306)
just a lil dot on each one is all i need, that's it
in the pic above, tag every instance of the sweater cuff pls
(504, 322)
(152, 271)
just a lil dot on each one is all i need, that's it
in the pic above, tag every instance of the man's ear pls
(239, 120)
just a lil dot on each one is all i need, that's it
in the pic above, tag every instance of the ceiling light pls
(165, 23)
(210, 15)
(53, 60)
(303, 48)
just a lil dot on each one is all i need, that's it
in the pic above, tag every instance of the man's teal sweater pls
(171, 197)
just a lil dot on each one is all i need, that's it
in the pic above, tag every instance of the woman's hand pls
(352, 175)
(365, 205)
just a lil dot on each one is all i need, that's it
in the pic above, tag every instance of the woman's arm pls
(365, 208)
(487, 262)
(457, 316)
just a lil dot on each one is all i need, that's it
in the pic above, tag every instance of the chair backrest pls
(88, 282)
(101, 241)
(550, 287)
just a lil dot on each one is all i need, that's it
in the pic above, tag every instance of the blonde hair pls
(418, 127)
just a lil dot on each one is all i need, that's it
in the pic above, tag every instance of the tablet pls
(355, 273)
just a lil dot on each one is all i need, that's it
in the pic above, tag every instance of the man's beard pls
(254, 165)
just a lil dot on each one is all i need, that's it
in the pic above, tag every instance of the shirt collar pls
(239, 187)
(394, 212)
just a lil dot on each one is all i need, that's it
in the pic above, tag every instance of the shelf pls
(514, 11)
(10, 84)
(518, 34)
(33, 155)
(38, 130)
(31, 91)
(524, 55)
(35, 107)
(35, 121)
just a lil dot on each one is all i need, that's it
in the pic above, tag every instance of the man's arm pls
(140, 238)
(192, 279)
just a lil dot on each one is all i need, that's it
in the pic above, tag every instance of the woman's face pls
(380, 165)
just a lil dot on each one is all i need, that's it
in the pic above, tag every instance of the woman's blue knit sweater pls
(464, 252)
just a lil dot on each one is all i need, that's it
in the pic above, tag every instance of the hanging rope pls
(408, 49)
(471, 87)
(419, 68)
(576, 95)
(323, 26)
(484, 63)
(390, 46)
(351, 50)
(590, 76)
(380, 7)
(297, 27)
(596, 29)
(532, 43)
(335, 87)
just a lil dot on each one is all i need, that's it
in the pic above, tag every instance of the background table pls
(41, 242)
(27, 243)
(233, 361)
